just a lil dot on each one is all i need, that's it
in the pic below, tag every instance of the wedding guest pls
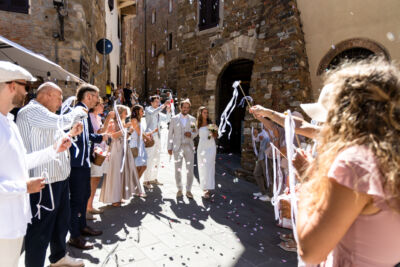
(137, 139)
(118, 186)
(79, 180)
(108, 89)
(181, 133)
(127, 91)
(260, 171)
(39, 126)
(15, 184)
(154, 117)
(348, 213)
(206, 152)
(96, 172)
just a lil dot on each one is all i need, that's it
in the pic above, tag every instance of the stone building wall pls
(267, 33)
(84, 25)
(162, 67)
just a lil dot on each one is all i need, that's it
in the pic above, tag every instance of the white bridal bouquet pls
(213, 129)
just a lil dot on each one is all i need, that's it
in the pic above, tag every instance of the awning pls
(36, 64)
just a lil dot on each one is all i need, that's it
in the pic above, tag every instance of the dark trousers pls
(79, 186)
(51, 228)
(259, 175)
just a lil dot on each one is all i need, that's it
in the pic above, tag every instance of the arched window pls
(355, 53)
(358, 48)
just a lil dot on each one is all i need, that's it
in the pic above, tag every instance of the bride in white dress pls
(206, 152)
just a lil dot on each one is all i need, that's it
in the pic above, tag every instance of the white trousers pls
(10, 250)
(185, 152)
(153, 160)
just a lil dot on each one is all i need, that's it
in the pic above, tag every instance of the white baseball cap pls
(11, 72)
(319, 111)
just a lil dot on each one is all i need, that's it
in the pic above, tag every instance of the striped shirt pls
(39, 128)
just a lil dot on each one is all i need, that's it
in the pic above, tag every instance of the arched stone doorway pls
(236, 70)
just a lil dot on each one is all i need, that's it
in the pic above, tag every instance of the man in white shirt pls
(15, 184)
(154, 116)
(182, 131)
(39, 126)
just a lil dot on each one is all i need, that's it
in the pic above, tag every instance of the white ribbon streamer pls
(65, 107)
(253, 140)
(172, 106)
(121, 127)
(39, 206)
(289, 136)
(228, 111)
(278, 179)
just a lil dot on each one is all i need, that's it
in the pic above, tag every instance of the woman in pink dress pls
(349, 212)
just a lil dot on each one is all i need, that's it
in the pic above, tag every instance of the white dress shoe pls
(264, 198)
(68, 261)
(258, 194)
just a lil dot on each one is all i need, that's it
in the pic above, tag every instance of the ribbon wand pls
(237, 84)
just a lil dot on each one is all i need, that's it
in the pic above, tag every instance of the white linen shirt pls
(184, 120)
(38, 128)
(154, 117)
(15, 209)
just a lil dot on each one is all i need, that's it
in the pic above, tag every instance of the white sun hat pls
(11, 72)
(319, 111)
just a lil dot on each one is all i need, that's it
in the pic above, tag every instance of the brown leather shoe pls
(179, 194)
(80, 243)
(189, 195)
(88, 231)
(147, 185)
(156, 182)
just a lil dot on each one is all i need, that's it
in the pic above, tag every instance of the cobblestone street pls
(230, 229)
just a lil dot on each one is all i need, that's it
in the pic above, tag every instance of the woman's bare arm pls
(320, 228)
(301, 126)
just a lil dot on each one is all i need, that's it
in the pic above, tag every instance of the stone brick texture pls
(269, 33)
(84, 26)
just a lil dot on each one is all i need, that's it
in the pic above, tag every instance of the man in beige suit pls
(182, 131)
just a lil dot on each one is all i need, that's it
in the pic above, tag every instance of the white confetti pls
(390, 36)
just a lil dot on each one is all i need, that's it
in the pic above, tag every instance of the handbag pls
(135, 151)
(148, 143)
(98, 159)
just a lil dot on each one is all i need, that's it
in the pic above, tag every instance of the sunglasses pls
(20, 83)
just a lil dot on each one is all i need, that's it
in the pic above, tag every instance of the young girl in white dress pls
(206, 152)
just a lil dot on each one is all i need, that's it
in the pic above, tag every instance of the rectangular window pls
(18, 6)
(170, 6)
(141, 27)
(153, 16)
(170, 41)
(208, 14)
(141, 58)
(153, 50)
(119, 28)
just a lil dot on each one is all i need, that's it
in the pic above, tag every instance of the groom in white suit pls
(182, 131)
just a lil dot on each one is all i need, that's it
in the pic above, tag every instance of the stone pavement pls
(231, 229)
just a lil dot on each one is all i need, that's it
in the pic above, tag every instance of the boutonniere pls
(193, 125)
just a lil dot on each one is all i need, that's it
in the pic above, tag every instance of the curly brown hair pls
(365, 111)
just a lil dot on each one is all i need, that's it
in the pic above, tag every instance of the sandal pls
(116, 204)
(206, 195)
(286, 237)
(290, 246)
